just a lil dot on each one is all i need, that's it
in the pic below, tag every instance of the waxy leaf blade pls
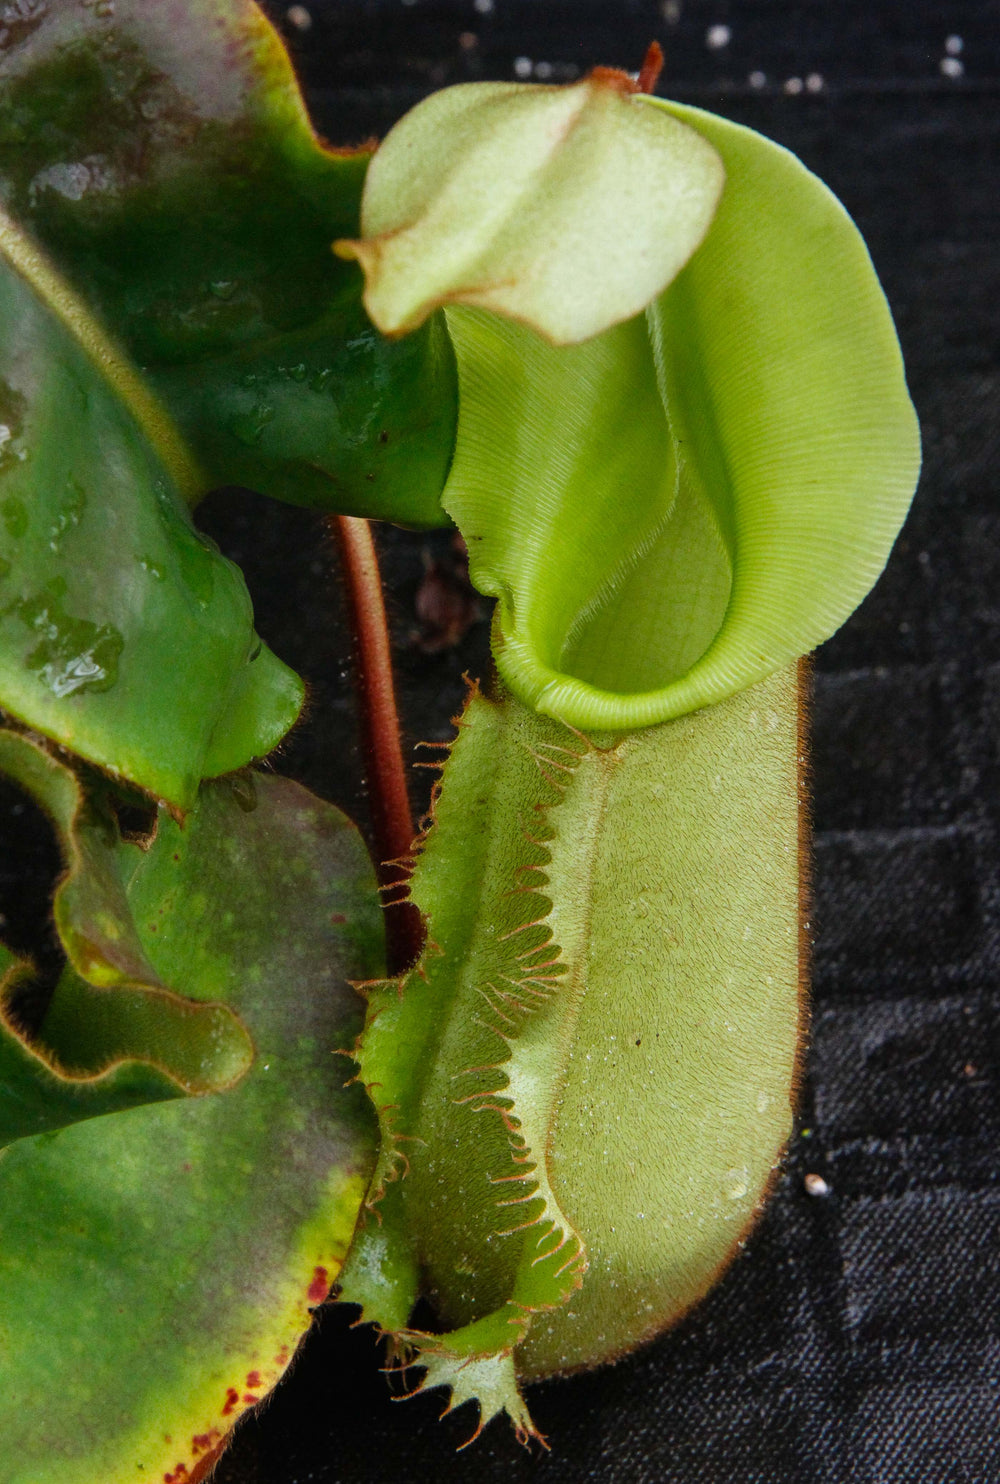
(634, 587)
(123, 634)
(163, 155)
(158, 1267)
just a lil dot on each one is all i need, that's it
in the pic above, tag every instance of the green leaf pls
(123, 634)
(682, 505)
(159, 1266)
(163, 156)
(110, 1005)
(568, 208)
(36, 1096)
(600, 1042)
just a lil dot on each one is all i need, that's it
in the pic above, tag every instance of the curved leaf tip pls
(115, 1032)
(124, 635)
(567, 208)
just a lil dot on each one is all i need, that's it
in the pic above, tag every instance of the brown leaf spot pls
(319, 1287)
(203, 1441)
(204, 1467)
(179, 1475)
(253, 1380)
(249, 1399)
(232, 1401)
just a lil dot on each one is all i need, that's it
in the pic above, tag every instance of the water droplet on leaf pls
(736, 1184)
(249, 426)
(72, 654)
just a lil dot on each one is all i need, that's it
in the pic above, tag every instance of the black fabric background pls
(858, 1336)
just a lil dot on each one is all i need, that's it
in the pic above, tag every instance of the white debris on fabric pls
(954, 45)
(299, 17)
(814, 83)
(952, 67)
(716, 37)
(815, 1185)
(523, 66)
(793, 86)
(757, 79)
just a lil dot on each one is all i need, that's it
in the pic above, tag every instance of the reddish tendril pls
(652, 66)
(645, 79)
(392, 821)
